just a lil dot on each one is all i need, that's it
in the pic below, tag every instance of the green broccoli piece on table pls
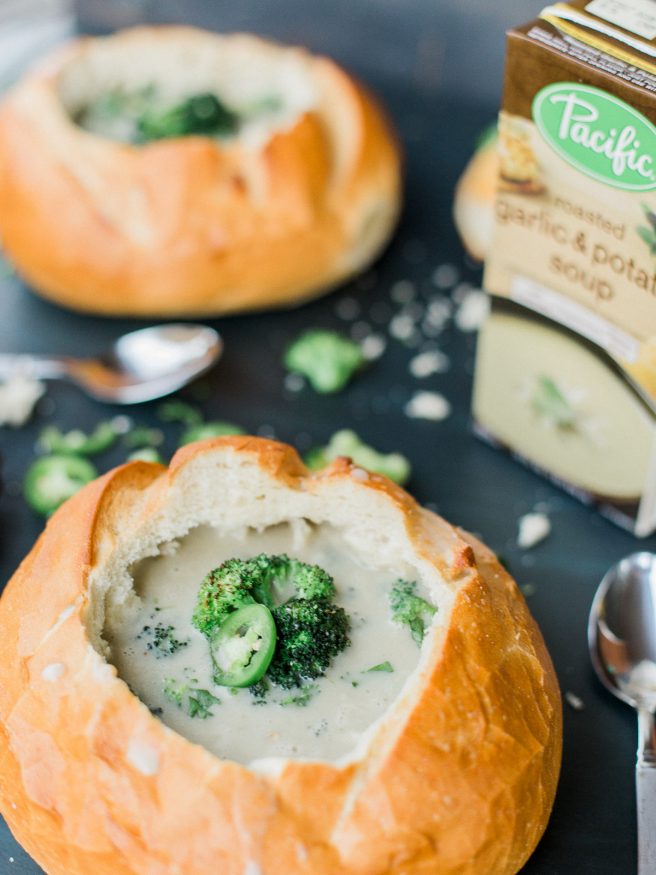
(347, 443)
(410, 610)
(209, 430)
(328, 360)
(311, 632)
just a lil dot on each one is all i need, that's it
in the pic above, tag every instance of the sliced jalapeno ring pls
(243, 646)
(78, 442)
(209, 430)
(53, 479)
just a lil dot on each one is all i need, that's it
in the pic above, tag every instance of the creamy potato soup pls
(167, 662)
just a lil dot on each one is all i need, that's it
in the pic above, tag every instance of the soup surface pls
(167, 663)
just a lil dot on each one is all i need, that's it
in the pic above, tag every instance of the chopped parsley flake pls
(382, 666)
(196, 702)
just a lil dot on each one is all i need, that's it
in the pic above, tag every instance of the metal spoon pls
(622, 641)
(140, 366)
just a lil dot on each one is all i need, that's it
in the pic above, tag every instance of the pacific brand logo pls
(599, 134)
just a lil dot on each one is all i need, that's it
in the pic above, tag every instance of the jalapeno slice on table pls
(243, 646)
(78, 442)
(53, 479)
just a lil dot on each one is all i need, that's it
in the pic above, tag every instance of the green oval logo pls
(599, 134)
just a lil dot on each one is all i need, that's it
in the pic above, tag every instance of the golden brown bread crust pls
(186, 226)
(462, 786)
(474, 200)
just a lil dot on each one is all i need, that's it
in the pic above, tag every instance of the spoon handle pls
(646, 792)
(39, 367)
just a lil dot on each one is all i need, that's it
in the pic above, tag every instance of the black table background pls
(592, 830)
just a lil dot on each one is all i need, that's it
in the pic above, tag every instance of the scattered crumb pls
(438, 312)
(347, 309)
(574, 701)
(533, 528)
(403, 291)
(122, 424)
(402, 327)
(427, 363)
(460, 292)
(445, 276)
(472, 311)
(428, 405)
(528, 589)
(294, 382)
(18, 397)
(373, 347)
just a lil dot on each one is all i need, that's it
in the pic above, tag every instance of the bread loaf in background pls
(458, 777)
(192, 225)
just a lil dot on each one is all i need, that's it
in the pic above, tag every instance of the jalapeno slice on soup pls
(243, 646)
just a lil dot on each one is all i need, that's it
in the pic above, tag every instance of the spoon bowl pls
(622, 643)
(140, 366)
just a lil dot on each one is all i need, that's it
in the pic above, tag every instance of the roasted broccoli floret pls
(327, 359)
(311, 632)
(307, 629)
(347, 443)
(224, 590)
(410, 610)
(265, 579)
(201, 114)
(292, 577)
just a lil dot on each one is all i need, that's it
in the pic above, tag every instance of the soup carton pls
(566, 365)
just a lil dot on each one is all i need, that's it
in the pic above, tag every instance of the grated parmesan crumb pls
(433, 361)
(574, 701)
(373, 347)
(445, 276)
(472, 310)
(403, 291)
(294, 382)
(533, 528)
(402, 327)
(18, 397)
(428, 405)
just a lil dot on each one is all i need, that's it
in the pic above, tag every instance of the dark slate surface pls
(593, 825)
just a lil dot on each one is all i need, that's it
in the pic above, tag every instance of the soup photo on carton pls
(566, 367)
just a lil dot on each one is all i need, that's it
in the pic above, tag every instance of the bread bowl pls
(456, 775)
(474, 198)
(503, 161)
(299, 193)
